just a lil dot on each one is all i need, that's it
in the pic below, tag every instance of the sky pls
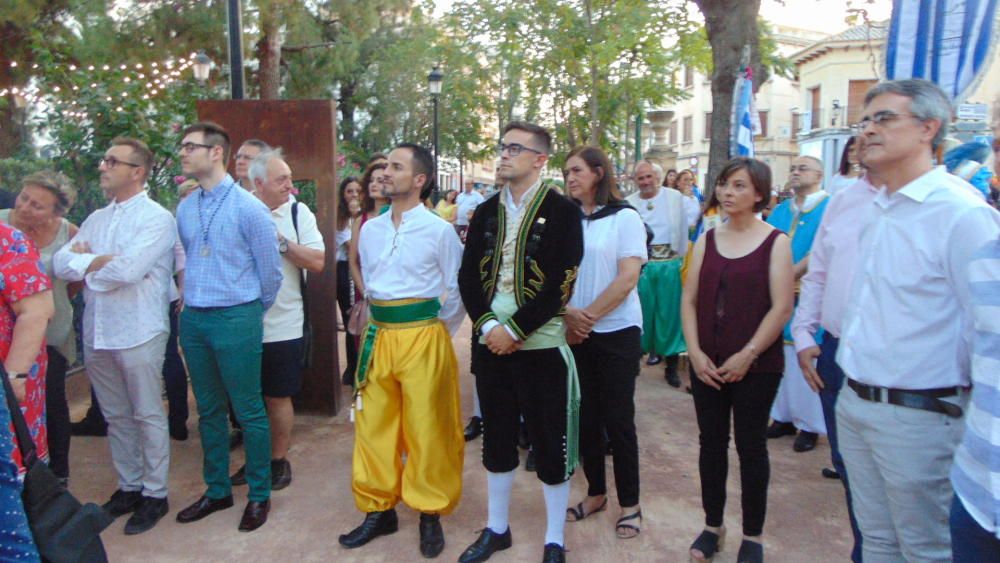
(819, 15)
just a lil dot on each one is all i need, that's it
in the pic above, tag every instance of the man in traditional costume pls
(522, 252)
(664, 212)
(406, 399)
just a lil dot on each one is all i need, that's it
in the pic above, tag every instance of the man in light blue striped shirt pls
(975, 511)
(232, 276)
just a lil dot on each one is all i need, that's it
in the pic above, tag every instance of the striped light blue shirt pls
(976, 472)
(241, 262)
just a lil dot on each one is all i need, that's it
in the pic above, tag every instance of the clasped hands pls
(500, 342)
(83, 247)
(733, 370)
(579, 323)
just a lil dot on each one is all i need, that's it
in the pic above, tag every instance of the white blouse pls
(605, 242)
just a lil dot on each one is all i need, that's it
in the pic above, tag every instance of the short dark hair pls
(607, 188)
(376, 157)
(139, 150)
(541, 134)
(214, 135)
(760, 177)
(845, 164)
(423, 163)
(262, 145)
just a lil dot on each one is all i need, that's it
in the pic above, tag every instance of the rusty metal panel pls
(306, 130)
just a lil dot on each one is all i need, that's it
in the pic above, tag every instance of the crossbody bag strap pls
(24, 441)
(302, 277)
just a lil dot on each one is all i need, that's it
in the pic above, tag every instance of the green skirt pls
(660, 294)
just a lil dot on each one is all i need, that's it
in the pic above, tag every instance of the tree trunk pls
(730, 24)
(347, 107)
(269, 50)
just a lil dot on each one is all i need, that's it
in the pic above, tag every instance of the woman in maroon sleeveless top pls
(737, 298)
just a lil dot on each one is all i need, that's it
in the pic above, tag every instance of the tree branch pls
(300, 48)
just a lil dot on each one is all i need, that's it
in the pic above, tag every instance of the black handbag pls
(307, 333)
(65, 531)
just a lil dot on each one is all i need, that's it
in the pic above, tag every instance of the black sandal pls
(750, 552)
(709, 544)
(579, 513)
(621, 525)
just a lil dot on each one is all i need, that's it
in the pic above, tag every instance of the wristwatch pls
(17, 375)
(283, 246)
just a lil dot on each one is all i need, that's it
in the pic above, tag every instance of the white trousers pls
(899, 459)
(129, 387)
(796, 402)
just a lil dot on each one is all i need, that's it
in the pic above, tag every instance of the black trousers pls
(532, 384)
(345, 298)
(749, 403)
(608, 364)
(57, 413)
(175, 376)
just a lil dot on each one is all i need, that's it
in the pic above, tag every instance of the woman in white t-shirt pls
(603, 327)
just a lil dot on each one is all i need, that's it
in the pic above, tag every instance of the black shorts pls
(281, 368)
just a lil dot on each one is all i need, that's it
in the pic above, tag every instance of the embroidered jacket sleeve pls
(478, 254)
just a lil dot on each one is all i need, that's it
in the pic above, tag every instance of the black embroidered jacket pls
(548, 250)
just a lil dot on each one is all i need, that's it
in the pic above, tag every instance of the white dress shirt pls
(127, 299)
(666, 214)
(907, 324)
(420, 259)
(283, 320)
(606, 241)
(826, 286)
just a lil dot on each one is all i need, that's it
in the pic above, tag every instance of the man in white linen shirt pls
(906, 334)
(406, 397)
(124, 254)
(466, 203)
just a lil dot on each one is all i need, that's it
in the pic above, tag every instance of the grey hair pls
(657, 169)
(927, 101)
(258, 166)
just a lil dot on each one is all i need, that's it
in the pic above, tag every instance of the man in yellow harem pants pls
(406, 398)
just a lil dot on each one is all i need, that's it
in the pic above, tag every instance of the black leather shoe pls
(529, 461)
(235, 438)
(653, 359)
(779, 429)
(805, 441)
(554, 553)
(88, 428)
(240, 477)
(203, 507)
(474, 429)
(178, 431)
(147, 515)
(489, 542)
(123, 502)
(281, 474)
(254, 515)
(830, 473)
(376, 524)
(672, 378)
(431, 535)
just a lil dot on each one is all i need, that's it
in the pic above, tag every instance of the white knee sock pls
(498, 486)
(556, 503)
(475, 404)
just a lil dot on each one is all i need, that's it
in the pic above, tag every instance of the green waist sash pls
(391, 315)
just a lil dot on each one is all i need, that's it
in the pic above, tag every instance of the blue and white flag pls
(745, 122)
(948, 42)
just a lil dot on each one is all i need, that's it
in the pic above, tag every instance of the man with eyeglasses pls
(406, 400)
(797, 408)
(232, 276)
(248, 151)
(907, 332)
(522, 253)
(665, 211)
(124, 255)
(466, 203)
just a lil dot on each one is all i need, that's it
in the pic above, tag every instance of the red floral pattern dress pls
(22, 275)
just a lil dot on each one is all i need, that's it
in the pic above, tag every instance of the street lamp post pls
(434, 86)
(202, 66)
(235, 19)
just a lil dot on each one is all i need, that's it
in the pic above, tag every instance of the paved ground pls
(806, 519)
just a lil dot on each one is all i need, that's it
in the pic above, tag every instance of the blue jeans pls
(970, 543)
(833, 380)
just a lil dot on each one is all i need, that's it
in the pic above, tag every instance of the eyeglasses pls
(244, 157)
(191, 147)
(802, 168)
(880, 119)
(110, 162)
(514, 149)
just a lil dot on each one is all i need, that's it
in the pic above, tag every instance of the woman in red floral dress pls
(25, 309)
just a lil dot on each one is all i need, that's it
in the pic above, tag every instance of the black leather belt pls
(923, 399)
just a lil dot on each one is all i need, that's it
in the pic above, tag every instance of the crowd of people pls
(867, 314)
